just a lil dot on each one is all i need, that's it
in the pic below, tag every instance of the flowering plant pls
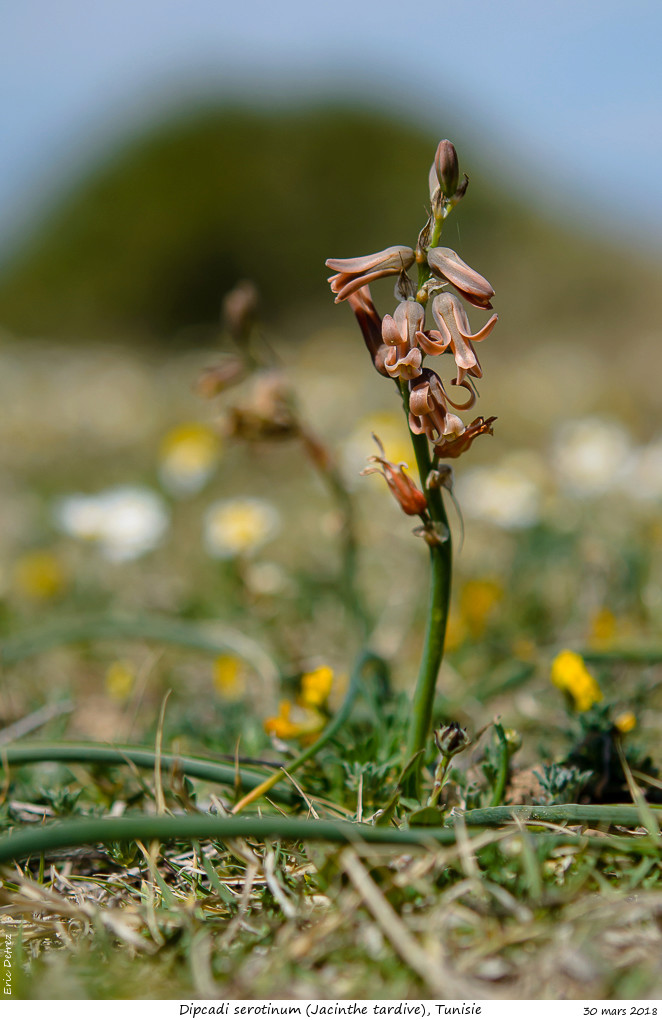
(398, 345)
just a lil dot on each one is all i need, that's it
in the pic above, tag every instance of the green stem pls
(441, 563)
(558, 814)
(94, 754)
(34, 839)
(433, 650)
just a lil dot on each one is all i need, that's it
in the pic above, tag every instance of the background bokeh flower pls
(124, 522)
(237, 527)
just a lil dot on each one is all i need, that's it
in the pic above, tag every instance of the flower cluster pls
(399, 343)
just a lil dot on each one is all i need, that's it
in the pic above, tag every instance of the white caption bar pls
(382, 1009)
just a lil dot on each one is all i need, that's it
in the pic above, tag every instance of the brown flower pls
(403, 360)
(454, 332)
(352, 274)
(428, 408)
(370, 324)
(473, 287)
(408, 495)
(457, 445)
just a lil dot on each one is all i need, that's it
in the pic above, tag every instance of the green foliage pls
(562, 784)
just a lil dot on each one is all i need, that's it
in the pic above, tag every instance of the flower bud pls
(446, 167)
(451, 739)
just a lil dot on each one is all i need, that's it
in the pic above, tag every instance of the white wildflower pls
(125, 522)
(591, 456)
(643, 480)
(503, 495)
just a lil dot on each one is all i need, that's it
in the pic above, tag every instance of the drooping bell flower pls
(455, 333)
(352, 274)
(399, 332)
(428, 408)
(455, 446)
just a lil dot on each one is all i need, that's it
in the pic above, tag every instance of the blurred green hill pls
(146, 243)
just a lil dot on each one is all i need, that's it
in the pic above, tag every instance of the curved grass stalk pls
(95, 754)
(202, 637)
(572, 814)
(642, 656)
(35, 839)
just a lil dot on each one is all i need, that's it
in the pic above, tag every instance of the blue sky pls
(565, 94)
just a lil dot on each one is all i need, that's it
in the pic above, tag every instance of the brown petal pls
(433, 342)
(396, 258)
(405, 365)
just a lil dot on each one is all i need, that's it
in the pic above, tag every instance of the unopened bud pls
(239, 307)
(446, 167)
(451, 739)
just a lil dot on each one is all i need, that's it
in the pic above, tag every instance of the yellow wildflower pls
(119, 680)
(477, 602)
(456, 631)
(39, 575)
(603, 628)
(625, 722)
(569, 674)
(229, 677)
(188, 456)
(306, 722)
(316, 687)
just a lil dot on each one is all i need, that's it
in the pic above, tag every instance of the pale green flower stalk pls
(398, 345)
